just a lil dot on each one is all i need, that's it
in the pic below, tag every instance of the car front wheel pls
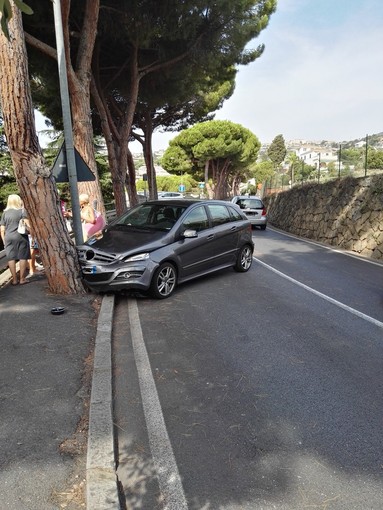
(164, 281)
(244, 259)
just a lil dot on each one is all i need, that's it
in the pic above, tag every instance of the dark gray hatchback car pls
(158, 244)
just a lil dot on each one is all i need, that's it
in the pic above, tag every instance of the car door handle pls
(233, 227)
(210, 237)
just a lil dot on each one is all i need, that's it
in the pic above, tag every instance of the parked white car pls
(254, 209)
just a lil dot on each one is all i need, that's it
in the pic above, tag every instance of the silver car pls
(163, 195)
(158, 244)
(254, 209)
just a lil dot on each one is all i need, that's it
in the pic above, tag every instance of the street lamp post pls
(318, 167)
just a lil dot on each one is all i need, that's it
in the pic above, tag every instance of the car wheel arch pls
(244, 258)
(164, 280)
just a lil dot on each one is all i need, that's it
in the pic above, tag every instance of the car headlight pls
(139, 256)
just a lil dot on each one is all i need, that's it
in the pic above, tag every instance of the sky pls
(320, 76)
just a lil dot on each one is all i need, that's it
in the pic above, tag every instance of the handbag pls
(22, 228)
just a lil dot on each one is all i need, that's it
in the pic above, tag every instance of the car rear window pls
(250, 203)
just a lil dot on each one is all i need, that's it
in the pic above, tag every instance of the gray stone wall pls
(346, 213)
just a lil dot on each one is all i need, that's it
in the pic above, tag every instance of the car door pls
(194, 254)
(226, 234)
(217, 240)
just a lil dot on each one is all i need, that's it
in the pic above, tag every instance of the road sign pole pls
(67, 121)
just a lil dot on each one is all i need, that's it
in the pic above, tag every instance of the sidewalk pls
(46, 373)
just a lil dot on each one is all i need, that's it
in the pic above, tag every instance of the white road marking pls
(323, 296)
(162, 452)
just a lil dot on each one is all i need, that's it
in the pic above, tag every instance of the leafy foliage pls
(8, 186)
(262, 171)
(352, 156)
(171, 183)
(6, 13)
(277, 151)
(375, 159)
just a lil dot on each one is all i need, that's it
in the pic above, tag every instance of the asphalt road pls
(255, 391)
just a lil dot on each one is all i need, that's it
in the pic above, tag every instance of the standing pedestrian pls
(34, 266)
(92, 220)
(16, 245)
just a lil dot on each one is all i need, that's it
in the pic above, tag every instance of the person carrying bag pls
(92, 220)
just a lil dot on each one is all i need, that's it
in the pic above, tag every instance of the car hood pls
(123, 241)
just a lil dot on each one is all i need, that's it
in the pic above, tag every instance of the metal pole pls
(67, 121)
(365, 159)
(339, 158)
(318, 167)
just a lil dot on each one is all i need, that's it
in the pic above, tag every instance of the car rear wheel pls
(244, 259)
(164, 281)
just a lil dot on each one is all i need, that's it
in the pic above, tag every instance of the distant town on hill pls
(302, 145)
(310, 151)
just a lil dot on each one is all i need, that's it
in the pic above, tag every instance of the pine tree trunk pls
(79, 78)
(148, 156)
(36, 184)
(130, 182)
(83, 141)
(117, 135)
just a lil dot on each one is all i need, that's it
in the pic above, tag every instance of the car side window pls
(235, 214)
(196, 220)
(219, 214)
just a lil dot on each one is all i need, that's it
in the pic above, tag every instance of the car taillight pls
(264, 211)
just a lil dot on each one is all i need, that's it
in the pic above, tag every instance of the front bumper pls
(103, 273)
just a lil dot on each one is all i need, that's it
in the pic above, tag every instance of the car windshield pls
(152, 216)
(249, 203)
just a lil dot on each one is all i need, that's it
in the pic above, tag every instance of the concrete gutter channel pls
(102, 483)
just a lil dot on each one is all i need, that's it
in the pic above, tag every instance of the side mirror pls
(189, 233)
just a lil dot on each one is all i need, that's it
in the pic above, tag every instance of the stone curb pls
(102, 489)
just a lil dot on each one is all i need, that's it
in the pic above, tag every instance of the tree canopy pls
(6, 13)
(150, 57)
(277, 150)
(218, 150)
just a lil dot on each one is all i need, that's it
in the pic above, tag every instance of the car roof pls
(172, 201)
(248, 196)
(183, 201)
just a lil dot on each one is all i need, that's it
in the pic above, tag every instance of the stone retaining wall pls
(347, 213)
